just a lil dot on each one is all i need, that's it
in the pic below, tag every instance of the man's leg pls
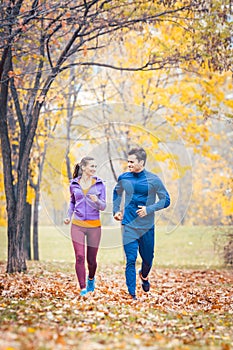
(131, 250)
(146, 251)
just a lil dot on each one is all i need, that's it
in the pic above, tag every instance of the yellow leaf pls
(85, 50)
(31, 330)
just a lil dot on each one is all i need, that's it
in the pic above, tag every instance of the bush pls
(228, 250)
(223, 242)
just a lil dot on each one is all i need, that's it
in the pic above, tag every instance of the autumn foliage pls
(183, 310)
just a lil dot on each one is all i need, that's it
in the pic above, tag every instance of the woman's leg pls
(93, 241)
(78, 239)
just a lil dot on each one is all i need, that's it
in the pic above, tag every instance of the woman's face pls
(90, 168)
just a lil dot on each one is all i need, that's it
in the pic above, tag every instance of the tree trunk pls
(19, 262)
(16, 213)
(27, 230)
(35, 225)
(16, 256)
(15, 194)
(36, 205)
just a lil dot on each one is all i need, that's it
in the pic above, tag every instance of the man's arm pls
(164, 198)
(117, 197)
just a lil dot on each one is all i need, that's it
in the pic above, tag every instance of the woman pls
(88, 196)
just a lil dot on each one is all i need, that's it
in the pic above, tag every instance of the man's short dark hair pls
(139, 152)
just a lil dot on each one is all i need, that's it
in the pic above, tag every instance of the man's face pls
(134, 165)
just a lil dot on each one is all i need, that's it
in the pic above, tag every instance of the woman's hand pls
(66, 221)
(93, 197)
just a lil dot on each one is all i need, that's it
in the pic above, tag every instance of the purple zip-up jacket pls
(81, 206)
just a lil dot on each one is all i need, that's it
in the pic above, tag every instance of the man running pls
(141, 189)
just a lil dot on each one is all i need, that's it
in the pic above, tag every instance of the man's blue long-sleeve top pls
(141, 189)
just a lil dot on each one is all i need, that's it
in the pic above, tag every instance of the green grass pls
(189, 247)
(186, 247)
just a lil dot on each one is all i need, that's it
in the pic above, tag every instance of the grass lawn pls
(187, 247)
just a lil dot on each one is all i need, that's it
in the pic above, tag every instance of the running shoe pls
(90, 285)
(83, 292)
(144, 282)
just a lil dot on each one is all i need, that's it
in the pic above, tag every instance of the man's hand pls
(141, 211)
(118, 216)
(66, 221)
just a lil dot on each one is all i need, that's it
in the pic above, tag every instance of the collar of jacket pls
(139, 174)
(76, 179)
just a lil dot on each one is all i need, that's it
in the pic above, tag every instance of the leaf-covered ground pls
(185, 309)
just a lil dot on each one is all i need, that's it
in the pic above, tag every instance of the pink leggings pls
(93, 236)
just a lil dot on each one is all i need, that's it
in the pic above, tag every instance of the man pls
(141, 189)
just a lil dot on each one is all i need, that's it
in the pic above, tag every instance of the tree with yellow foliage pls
(40, 37)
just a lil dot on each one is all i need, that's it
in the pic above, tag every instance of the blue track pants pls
(142, 241)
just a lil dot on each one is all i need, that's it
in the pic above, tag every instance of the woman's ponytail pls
(76, 171)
